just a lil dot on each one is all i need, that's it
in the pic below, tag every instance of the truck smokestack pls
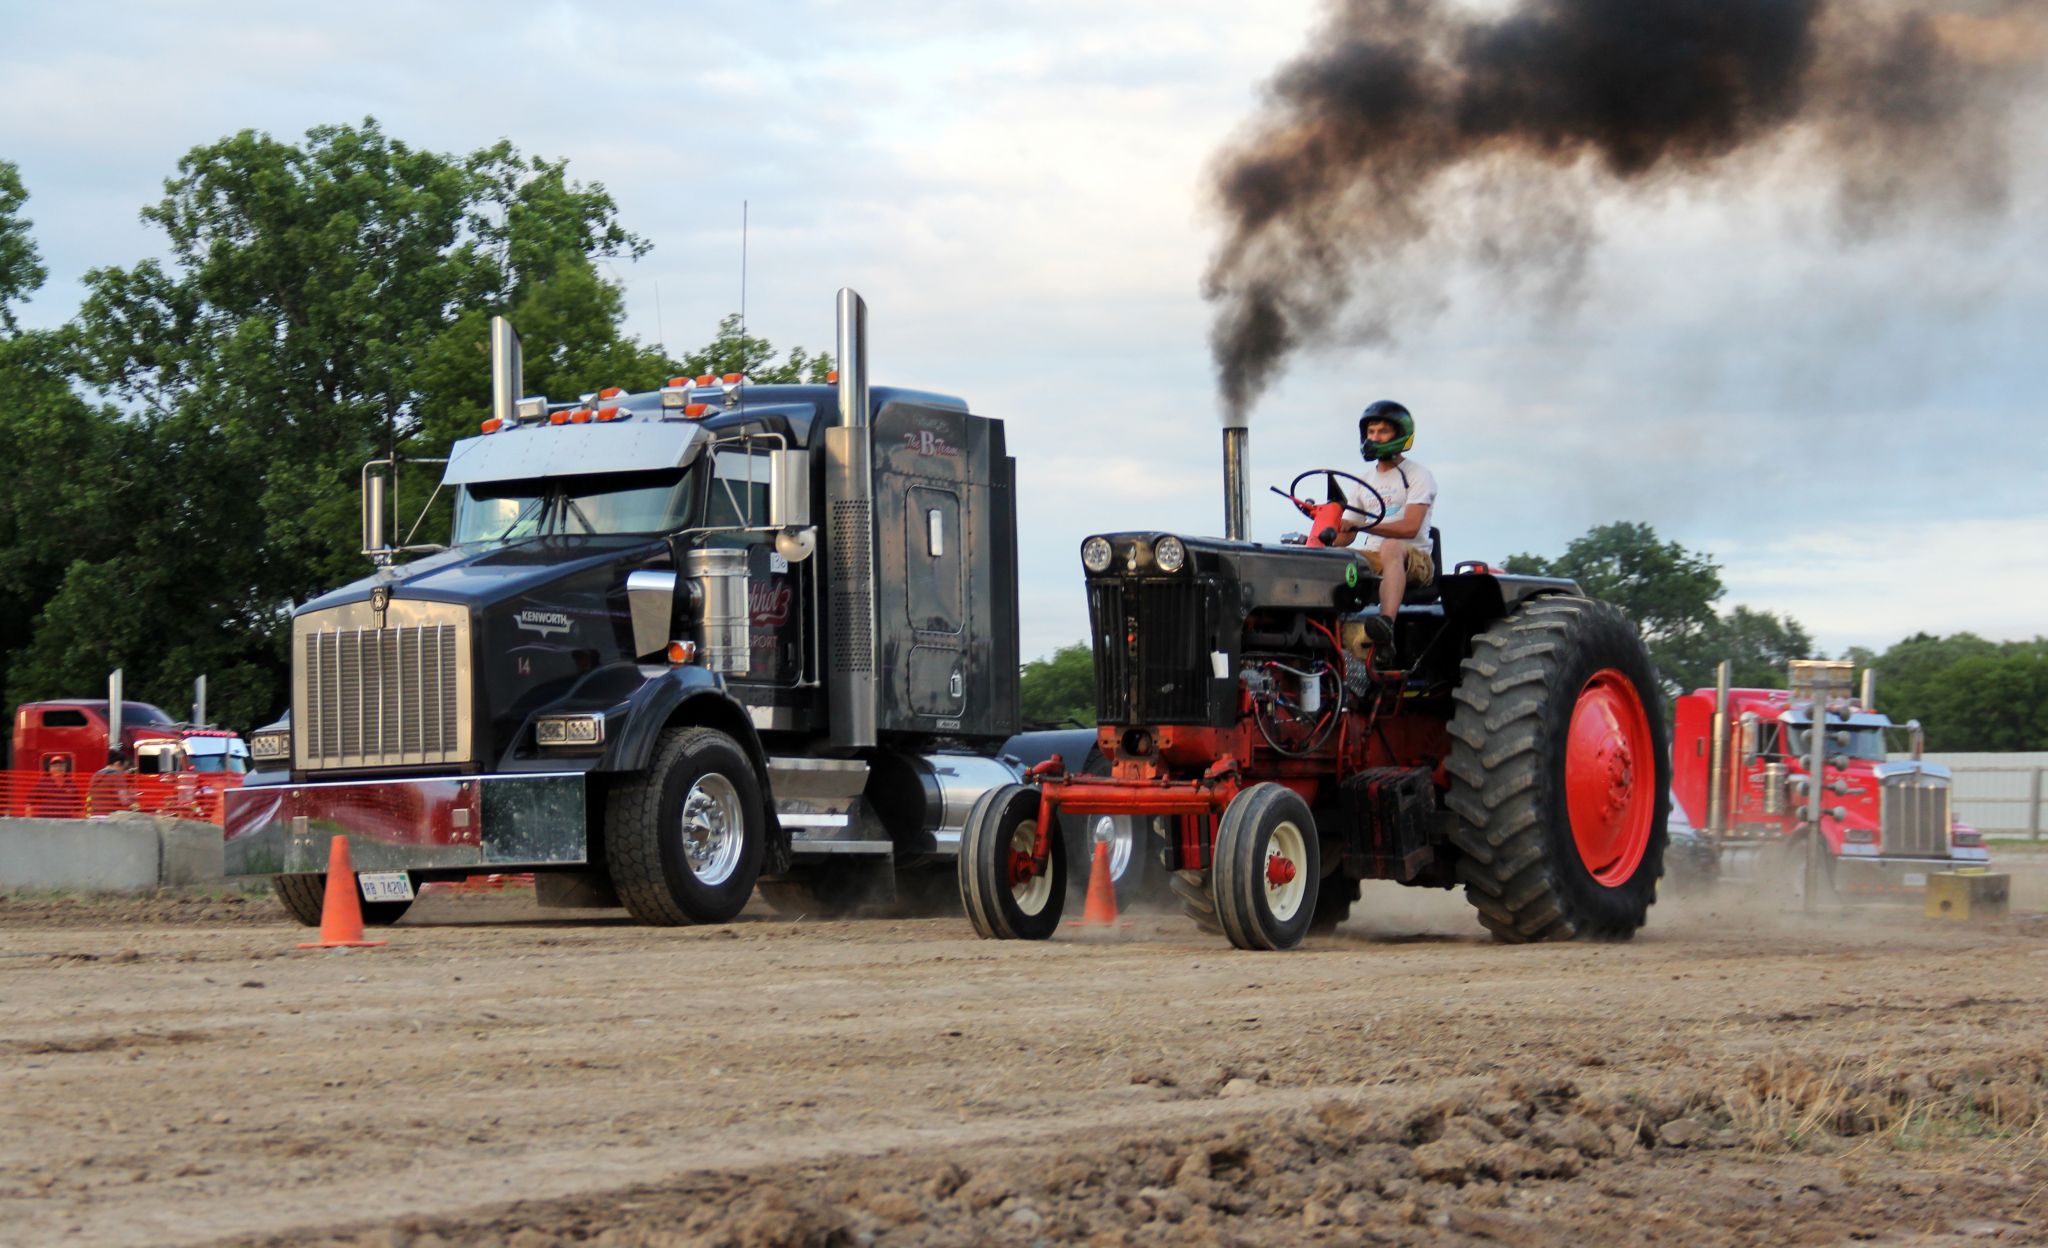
(1413, 135)
(1869, 699)
(853, 359)
(114, 699)
(508, 369)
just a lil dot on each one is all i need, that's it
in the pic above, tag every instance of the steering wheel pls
(1292, 495)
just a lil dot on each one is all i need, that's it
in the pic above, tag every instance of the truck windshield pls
(1864, 743)
(620, 502)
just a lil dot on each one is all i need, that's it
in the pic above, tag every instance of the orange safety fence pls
(69, 795)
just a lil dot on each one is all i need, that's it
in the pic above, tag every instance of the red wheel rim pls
(1610, 777)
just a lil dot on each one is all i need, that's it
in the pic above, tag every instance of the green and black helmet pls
(1397, 416)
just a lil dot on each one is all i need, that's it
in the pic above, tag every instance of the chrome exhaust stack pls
(507, 371)
(853, 683)
(1717, 756)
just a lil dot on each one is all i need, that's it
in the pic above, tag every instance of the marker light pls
(696, 410)
(733, 379)
(610, 413)
(491, 425)
(558, 418)
(681, 652)
(610, 392)
(581, 416)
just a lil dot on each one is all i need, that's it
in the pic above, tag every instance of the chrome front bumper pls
(483, 823)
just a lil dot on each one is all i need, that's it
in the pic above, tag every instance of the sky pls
(1849, 424)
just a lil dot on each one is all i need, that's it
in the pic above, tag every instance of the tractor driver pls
(1398, 546)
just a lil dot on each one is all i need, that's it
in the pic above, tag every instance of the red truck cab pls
(75, 730)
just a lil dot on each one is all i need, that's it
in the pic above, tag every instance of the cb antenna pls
(743, 305)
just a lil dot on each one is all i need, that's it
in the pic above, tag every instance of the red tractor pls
(1517, 747)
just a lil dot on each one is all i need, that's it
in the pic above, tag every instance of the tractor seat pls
(1435, 589)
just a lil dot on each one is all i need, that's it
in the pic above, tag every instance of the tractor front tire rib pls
(1524, 866)
(684, 839)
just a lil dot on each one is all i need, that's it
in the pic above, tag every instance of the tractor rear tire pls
(1268, 866)
(1560, 774)
(684, 839)
(304, 896)
(1001, 832)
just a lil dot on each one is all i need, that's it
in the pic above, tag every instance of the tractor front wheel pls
(1268, 864)
(1560, 774)
(1010, 893)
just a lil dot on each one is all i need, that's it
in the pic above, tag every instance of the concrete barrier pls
(126, 854)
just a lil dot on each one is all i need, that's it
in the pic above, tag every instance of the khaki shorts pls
(1420, 570)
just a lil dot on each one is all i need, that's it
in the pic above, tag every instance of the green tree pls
(322, 303)
(1060, 688)
(1757, 645)
(734, 351)
(1968, 693)
(21, 268)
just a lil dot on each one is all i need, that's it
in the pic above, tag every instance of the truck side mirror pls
(373, 516)
(1919, 738)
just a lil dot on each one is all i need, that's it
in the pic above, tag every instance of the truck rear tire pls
(1560, 774)
(1268, 866)
(1002, 901)
(684, 839)
(303, 897)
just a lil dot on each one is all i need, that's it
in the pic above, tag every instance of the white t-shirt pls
(1403, 485)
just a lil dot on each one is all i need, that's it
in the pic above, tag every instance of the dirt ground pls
(176, 1072)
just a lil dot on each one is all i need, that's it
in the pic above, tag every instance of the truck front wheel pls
(303, 896)
(1009, 893)
(1560, 774)
(684, 839)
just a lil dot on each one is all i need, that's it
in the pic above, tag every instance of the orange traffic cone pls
(341, 911)
(1099, 910)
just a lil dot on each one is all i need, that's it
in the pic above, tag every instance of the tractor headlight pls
(1096, 554)
(270, 747)
(1169, 554)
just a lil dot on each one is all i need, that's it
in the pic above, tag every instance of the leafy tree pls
(1060, 688)
(21, 268)
(1757, 645)
(1968, 693)
(734, 351)
(322, 303)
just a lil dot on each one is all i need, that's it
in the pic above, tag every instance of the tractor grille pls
(1913, 815)
(389, 696)
(1151, 652)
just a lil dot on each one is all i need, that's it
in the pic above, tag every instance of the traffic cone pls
(341, 911)
(1099, 910)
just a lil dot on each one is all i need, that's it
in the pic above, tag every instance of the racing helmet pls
(1397, 416)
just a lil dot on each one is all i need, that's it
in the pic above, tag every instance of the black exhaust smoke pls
(1415, 134)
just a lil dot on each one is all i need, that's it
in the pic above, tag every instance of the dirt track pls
(177, 1073)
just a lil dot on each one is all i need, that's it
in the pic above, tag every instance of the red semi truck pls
(61, 751)
(1740, 763)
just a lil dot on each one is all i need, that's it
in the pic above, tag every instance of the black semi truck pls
(680, 642)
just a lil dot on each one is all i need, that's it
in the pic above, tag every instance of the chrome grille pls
(1913, 815)
(381, 693)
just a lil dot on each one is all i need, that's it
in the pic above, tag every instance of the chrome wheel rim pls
(714, 828)
(1115, 833)
(1284, 895)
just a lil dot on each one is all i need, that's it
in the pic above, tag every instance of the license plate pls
(385, 885)
(1916, 879)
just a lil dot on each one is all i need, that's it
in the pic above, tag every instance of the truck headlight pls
(270, 747)
(1096, 554)
(1169, 554)
(569, 730)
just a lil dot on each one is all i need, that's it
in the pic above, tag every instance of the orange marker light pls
(680, 652)
(732, 379)
(607, 413)
(707, 380)
(610, 392)
(694, 410)
(675, 382)
(832, 376)
(558, 418)
(581, 416)
(491, 425)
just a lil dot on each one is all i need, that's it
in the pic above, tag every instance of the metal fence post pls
(2034, 806)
